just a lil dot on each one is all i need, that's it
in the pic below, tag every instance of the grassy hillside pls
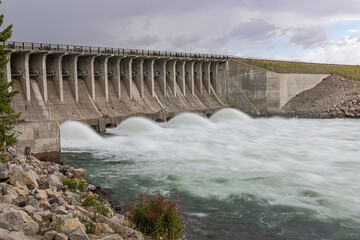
(347, 71)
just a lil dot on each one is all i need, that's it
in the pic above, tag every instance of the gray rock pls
(29, 178)
(57, 200)
(112, 237)
(4, 175)
(33, 202)
(55, 181)
(6, 199)
(78, 234)
(73, 197)
(50, 235)
(29, 209)
(79, 173)
(3, 234)
(12, 219)
(61, 236)
(37, 217)
(17, 236)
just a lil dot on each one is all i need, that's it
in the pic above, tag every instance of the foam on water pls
(278, 171)
(230, 114)
(190, 119)
(136, 124)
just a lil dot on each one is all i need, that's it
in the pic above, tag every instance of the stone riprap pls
(34, 203)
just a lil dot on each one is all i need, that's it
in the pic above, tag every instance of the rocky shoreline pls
(37, 201)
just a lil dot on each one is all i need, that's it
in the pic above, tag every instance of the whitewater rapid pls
(308, 167)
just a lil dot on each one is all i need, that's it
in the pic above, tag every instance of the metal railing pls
(110, 51)
(32, 110)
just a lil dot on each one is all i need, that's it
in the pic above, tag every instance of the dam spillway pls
(103, 86)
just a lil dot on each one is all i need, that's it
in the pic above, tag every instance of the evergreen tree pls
(7, 114)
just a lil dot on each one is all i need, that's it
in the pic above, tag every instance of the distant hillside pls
(347, 71)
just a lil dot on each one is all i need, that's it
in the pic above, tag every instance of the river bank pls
(37, 203)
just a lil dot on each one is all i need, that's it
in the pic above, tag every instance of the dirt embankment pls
(334, 97)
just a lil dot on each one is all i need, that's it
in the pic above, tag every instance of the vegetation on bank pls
(157, 217)
(7, 114)
(346, 71)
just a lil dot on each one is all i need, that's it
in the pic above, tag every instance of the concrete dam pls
(103, 86)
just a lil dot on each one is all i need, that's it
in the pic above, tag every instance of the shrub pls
(157, 217)
(76, 185)
(92, 200)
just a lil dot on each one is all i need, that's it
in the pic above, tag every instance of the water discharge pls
(239, 178)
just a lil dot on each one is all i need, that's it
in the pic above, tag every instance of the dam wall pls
(103, 86)
(256, 90)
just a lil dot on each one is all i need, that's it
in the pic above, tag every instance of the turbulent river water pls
(238, 177)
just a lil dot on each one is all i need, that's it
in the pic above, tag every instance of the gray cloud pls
(310, 37)
(172, 25)
(255, 30)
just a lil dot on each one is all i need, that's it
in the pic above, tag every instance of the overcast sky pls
(307, 30)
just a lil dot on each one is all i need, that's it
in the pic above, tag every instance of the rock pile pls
(347, 109)
(334, 97)
(35, 203)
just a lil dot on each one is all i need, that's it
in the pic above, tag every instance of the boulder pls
(50, 235)
(61, 236)
(50, 193)
(54, 181)
(29, 178)
(17, 236)
(72, 224)
(79, 173)
(13, 219)
(29, 209)
(103, 228)
(41, 194)
(6, 199)
(78, 234)
(112, 237)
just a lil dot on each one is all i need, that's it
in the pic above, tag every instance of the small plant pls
(92, 200)
(4, 158)
(56, 225)
(157, 217)
(89, 225)
(76, 185)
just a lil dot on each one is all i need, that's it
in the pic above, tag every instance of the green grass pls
(346, 71)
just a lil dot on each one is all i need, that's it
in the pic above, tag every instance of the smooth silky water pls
(238, 177)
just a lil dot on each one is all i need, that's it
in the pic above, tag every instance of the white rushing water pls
(297, 163)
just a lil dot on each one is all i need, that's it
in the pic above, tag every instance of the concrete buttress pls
(126, 68)
(86, 72)
(171, 72)
(20, 64)
(114, 70)
(68, 70)
(160, 74)
(206, 76)
(149, 74)
(37, 67)
(198, 76)
(214, 74)
(189, 75)
(180, 69)
(138, 74)
(101, 68)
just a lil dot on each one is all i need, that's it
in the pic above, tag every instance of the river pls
(238, 177)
